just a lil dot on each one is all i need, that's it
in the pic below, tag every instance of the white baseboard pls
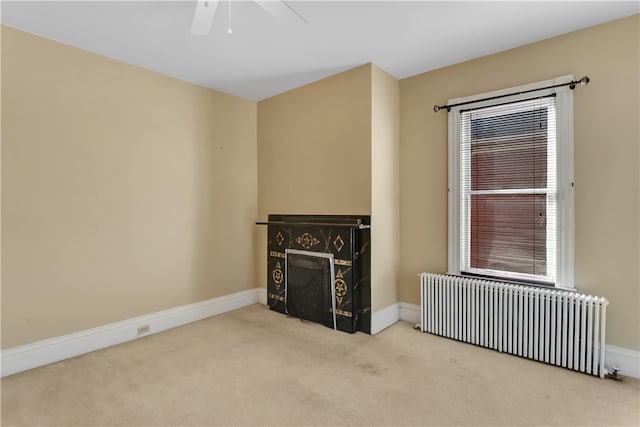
(40, 353)
(410, 312)
(628, 361)
(384, 318)
(262, 295)
(22, 358)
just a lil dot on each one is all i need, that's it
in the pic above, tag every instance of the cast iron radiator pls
(557, 327)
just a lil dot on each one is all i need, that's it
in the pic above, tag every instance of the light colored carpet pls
(253, 366)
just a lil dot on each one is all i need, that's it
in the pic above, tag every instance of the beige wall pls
(332, 147)
(385, 188)
(124, 192)
(314, 151)
(0, 182)
(606, 139)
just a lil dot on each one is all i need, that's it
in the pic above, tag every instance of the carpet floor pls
(256, 367)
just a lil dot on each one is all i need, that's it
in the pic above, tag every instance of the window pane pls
(509, 151)
(509, 233)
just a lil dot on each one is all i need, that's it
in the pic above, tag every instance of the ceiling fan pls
(206, 11)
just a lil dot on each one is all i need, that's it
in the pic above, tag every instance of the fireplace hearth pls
(318, 269)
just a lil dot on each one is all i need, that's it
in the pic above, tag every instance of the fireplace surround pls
(318, 269)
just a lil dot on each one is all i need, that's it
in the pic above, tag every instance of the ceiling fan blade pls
(203, 17)
(281, 10)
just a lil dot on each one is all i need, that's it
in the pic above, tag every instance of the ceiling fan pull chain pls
(229, 30)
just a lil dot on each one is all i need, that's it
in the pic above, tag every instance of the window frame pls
(564, 222)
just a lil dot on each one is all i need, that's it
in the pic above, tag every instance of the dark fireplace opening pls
(309, 288)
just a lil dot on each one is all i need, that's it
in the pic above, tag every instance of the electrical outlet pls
(143, 329)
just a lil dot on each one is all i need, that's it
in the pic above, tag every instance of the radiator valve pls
(613, 374)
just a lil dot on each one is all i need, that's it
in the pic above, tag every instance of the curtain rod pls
(572, 85)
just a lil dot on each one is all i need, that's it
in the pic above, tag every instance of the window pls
(511, 185)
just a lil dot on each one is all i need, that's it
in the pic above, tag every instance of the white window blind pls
(508, 190)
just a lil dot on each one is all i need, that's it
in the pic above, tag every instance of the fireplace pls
(318, 269)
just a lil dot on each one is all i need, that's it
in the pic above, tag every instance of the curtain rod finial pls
(585, 81)
(436, 108)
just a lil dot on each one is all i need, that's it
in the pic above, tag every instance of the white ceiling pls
(265, 56)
